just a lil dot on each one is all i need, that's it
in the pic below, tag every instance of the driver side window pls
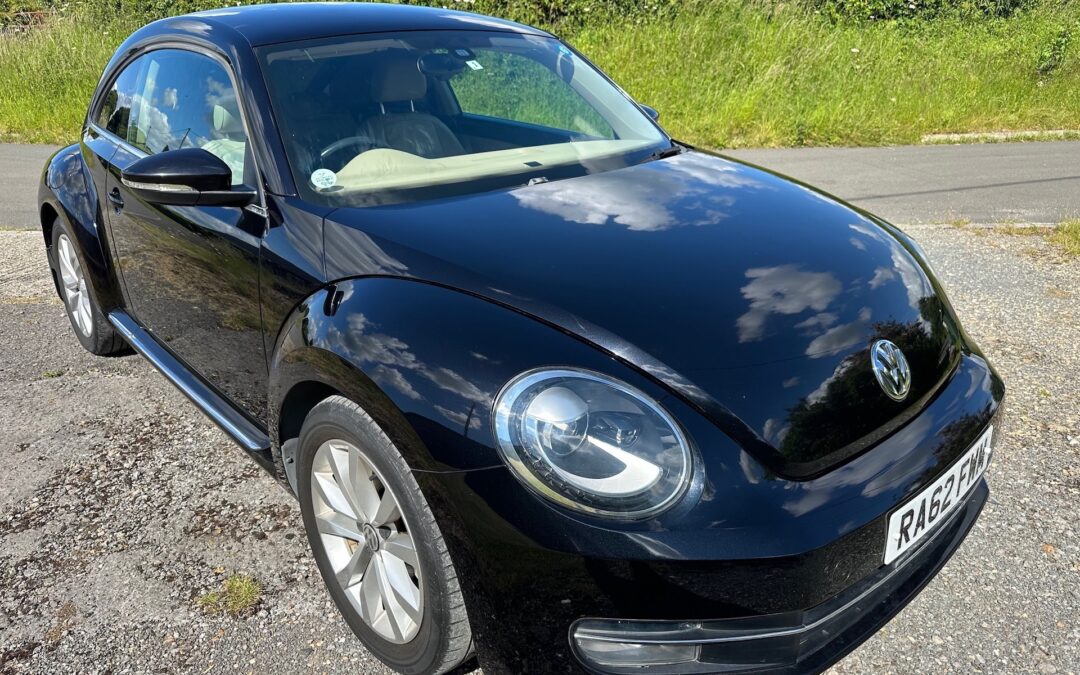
(170, 99)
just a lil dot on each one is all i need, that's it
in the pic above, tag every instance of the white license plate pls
(917, 518)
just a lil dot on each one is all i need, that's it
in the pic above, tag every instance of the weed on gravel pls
(239, 595)
(1067, 236)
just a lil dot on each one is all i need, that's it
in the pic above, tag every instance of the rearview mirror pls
(650, 111)
(440, 66)
(186, 177)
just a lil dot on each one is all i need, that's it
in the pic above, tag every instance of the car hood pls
(753, 296)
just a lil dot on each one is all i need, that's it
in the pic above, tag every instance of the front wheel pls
(377, 544)
(93, 330)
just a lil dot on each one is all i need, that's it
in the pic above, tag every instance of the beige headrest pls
(400, 80)
(225, 122)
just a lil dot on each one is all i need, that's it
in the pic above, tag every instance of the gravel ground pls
(109, 532)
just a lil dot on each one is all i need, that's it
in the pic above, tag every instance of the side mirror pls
(650, 111)
(186, 177)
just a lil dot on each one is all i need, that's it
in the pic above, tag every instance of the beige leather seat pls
(398, 125)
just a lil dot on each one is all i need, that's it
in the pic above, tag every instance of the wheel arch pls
(303, 375)
(425, 361)
(297, 403)
(48, 216)
(66, 193)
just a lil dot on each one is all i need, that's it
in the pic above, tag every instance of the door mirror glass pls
(186, 177)
(650, 111)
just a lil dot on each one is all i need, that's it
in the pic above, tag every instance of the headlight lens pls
(591, 443)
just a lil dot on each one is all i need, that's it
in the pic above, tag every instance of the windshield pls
(392, 117)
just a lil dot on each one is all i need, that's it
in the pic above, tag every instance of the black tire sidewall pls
(332, 422)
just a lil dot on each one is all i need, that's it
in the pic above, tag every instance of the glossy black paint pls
(68, 191)
(708, 274)
(191, 275)
(271, 24)
(208, 177)
(742, 301)
(189, 167)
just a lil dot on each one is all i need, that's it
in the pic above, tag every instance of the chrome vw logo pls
(891, 369)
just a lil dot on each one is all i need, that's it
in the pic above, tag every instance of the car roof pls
(286, 22)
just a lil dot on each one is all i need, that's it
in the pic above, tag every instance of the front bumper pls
(791, 571)
(791, 642)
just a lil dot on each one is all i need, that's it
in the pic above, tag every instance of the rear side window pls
(170, 99)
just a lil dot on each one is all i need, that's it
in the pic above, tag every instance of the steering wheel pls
(363, 142)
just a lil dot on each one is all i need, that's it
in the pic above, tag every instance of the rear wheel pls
(93, 330)
(377, 544)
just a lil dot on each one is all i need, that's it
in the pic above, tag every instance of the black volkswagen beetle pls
(552, 388)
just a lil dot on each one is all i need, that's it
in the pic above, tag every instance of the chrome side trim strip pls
(224, 414)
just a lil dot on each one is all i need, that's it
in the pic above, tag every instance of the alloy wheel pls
(367, 541)
(75, 292)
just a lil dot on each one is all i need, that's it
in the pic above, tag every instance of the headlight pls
(591, 443)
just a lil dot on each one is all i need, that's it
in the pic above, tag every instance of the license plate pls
(930, 508)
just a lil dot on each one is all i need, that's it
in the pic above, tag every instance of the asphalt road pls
(121, 505)
(20, 170)
(992, 183)
(1025, 182)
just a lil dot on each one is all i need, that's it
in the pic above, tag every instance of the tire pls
(340, 444)
(89, 323)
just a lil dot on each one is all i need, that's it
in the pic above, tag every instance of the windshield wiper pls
(663, 153)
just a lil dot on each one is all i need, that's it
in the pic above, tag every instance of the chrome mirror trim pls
(157, 187)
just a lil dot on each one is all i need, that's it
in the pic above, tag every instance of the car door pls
(191, 273)
(107, 124)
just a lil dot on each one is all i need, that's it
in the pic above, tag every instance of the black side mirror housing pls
(650, 111)
(185, 177)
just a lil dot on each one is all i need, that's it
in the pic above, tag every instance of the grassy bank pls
(48, 75)
(735, 77)
(736, 74)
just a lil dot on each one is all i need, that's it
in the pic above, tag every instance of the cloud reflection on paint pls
(606, 198)
(395, 366)
(840, 337)
(904, 269)
(785, 289)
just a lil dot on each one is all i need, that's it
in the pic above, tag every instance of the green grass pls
(237, 596)
(736, 77)
(1067, 236)
(48, 75)
(736, 74)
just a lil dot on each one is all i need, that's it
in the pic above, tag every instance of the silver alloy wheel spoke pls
(395, 615)
(367, 541)
(330, 491)
(75, 291)
(401, 547)
(366, 496)
(399, 593)
(339, 525)
(354, 570)
(387, 511)
(371, 594)
(84, 312)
